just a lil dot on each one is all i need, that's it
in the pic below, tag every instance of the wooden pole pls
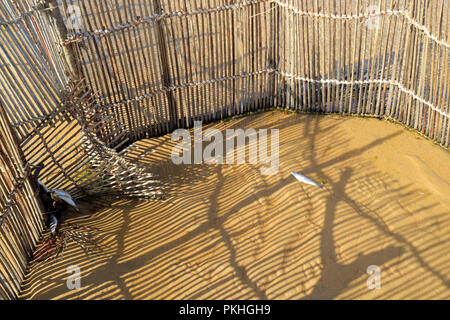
(173, 122)
(68, 53)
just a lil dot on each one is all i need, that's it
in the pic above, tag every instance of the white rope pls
(286, 75)
(362, 82)
(234, 6)
(311, 14)
(368, 15)
(155, 17)
(186, 85)
(426, 32)
(81, 36)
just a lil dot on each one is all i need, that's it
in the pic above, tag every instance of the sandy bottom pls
(228, 232)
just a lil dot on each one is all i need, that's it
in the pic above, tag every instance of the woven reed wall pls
(155, 65)
(158, 64)
(29, 85)
(20, 222)
(45, 118)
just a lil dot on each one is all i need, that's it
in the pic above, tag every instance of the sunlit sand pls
(228, 232)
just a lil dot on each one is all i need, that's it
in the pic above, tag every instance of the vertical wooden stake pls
(173, 123)
(61, 32)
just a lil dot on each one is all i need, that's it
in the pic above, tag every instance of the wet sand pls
(228, 232)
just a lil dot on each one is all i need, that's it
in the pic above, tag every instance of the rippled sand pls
(227, 232)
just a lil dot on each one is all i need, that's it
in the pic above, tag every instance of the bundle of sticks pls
(53, 245)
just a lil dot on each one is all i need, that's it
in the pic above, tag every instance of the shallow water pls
(226, 231)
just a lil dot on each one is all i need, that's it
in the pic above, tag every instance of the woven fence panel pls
(383, 58)
(47, 119)
(55, 120)
(156, 65)
(20, 214)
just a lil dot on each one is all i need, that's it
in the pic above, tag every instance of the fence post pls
(165, 66)
(68, 53)
(274, 58)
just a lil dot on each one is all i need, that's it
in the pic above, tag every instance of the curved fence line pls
(77, 37)
(368, 15)
(165, 15)
(397, 84)
(287, 75)
(221, 61)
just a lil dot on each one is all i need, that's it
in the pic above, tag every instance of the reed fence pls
(157, 65)
(80, 80)
(20, 223)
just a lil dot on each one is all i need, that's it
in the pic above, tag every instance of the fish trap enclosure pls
(83, 81)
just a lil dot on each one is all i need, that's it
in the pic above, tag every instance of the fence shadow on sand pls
(227, 232)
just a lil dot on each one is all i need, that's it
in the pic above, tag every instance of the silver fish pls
(58, 194)
(64, 196)
(306, 180)
(43, 186)
(53, 224)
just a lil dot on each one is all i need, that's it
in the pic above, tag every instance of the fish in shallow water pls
(306, 180)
